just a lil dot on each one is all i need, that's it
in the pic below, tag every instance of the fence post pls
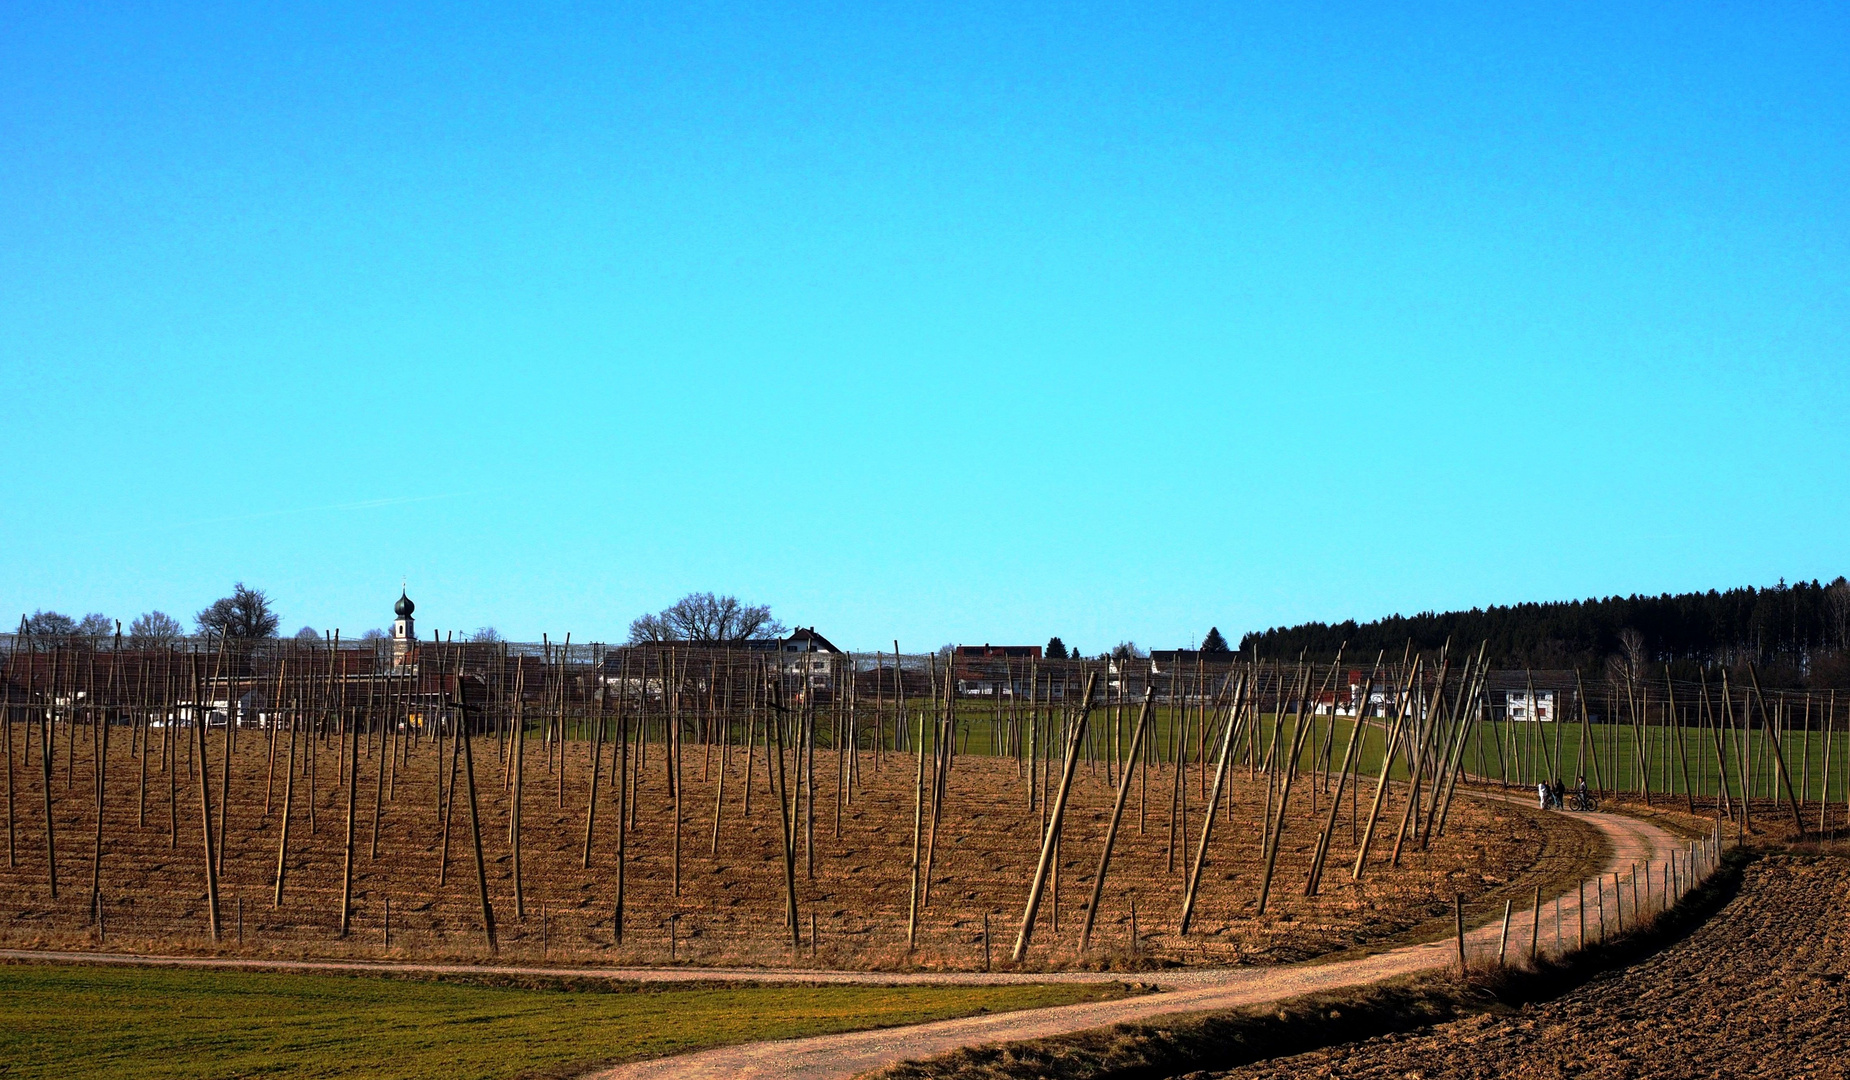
(1503, 939)
(1535, 925)
(1458, 925)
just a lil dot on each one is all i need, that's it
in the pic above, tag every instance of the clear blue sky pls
(968, 323)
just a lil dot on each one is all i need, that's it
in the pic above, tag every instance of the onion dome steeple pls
(404, 630)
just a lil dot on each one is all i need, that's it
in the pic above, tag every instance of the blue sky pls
(976, 323)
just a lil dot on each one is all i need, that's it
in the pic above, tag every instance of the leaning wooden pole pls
(1418, 765)
(282, 836)
(1779, 758)
(597, 768)
(353, 790)
(1473, 705)
(620, 775)
(1387, 766)
(918, 830)
(1117, 814)
(1350, 754)
(1676, 727)
(1075, 738)
(1239, 705)
(1299, 730)
(205, 810)
(475, 819)
(99, 747)
(6, 686)
(786, 817)
(1450, 750)
(519, 762)
(48, 732)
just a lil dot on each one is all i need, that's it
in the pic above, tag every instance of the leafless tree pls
(705, 617)
(649, 629)
(96, 624)
(1633, 643)
(1128, 650)
(246, 613)
(1837, 606)
(308, 633)
(486, 634)
(42, 623)
(49, 624)
(152, 629)
(1627, 666)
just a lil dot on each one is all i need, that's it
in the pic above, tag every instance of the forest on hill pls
(1796, 635)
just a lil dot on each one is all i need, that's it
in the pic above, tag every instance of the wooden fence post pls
(1503, 939)
(1458, 928)
(1535, 927)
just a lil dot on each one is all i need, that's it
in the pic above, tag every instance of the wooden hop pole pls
(1075, 739)
(1117, 814)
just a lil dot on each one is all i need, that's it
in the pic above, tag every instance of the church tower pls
(404, 630)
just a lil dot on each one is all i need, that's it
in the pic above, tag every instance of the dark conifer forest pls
(1795, 634)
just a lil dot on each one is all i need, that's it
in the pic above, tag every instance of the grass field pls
(1521, 753)
(71, 1022)
(1608, 755)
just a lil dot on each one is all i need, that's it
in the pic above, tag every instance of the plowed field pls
(730, 906)
(1758, 990)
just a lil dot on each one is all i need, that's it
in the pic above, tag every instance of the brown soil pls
(1758, 990)
(731, 904)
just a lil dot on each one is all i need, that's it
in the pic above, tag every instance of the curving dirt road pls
(831, 1057)
(839, 1056)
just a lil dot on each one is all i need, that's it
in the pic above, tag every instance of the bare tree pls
(650, 629)
(152, 629)
(49, 624)
(375, 634)
(1128, 650)
(1837, 607)
(705, 617)
(1633, 643)
(1627, 666)
(486, 634)
(308, 633)
(246, 613)
(96, 624)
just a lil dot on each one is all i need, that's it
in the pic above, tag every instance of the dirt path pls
(846, 1055)
(832, 1057)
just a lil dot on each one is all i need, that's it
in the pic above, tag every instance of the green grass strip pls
(75, 1021)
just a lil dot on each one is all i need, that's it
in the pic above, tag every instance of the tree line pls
(246, 615)
(1795, 634)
